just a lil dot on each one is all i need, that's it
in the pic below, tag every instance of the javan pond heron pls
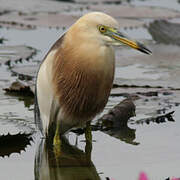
(75, 79)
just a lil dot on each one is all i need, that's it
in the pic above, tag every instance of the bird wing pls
(57, 118)
(37, 116)
(54, 111)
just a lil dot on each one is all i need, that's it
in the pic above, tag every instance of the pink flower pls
(143, 176)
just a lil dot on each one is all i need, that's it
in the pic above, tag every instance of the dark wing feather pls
(37, 114)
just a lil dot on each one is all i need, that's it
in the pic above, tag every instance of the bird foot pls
(57, 142)
(57, 145)
(88, 134)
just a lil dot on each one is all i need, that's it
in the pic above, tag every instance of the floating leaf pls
(14, 143)
(27, 72)
(20, 88)
(10, 54)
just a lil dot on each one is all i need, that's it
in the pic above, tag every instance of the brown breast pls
(81, 84)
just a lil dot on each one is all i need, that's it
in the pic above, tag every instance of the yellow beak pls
(133, 44)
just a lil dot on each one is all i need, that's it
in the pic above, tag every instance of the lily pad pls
(27, 72)
(3, 11)
(14, 143)
(1, 40)
(10, 54)
(24, 7)
(20, 88)
(55, 20)
(99, 1)
(127, 11)
(161, 69)
(31, 21)
(68, 13)
(151, 104)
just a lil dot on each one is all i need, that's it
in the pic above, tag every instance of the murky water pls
(174, 4)
(153, 148)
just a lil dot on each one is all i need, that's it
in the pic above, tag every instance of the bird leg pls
(57, 140)
(88, 137)
(88, 134)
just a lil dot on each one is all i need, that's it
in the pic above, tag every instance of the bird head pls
(102, 28)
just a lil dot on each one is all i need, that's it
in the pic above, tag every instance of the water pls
(152, 148)
(173, 4)
(138, 72)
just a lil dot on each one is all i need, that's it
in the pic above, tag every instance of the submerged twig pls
(117, 117)
(119, 114)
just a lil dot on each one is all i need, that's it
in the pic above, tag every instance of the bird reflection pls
(71, 164)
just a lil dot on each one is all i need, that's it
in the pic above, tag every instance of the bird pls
(76, 76)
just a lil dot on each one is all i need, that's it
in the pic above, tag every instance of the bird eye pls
(102, 29)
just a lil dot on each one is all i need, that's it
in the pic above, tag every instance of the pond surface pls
(174, 4)
(153, 148)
